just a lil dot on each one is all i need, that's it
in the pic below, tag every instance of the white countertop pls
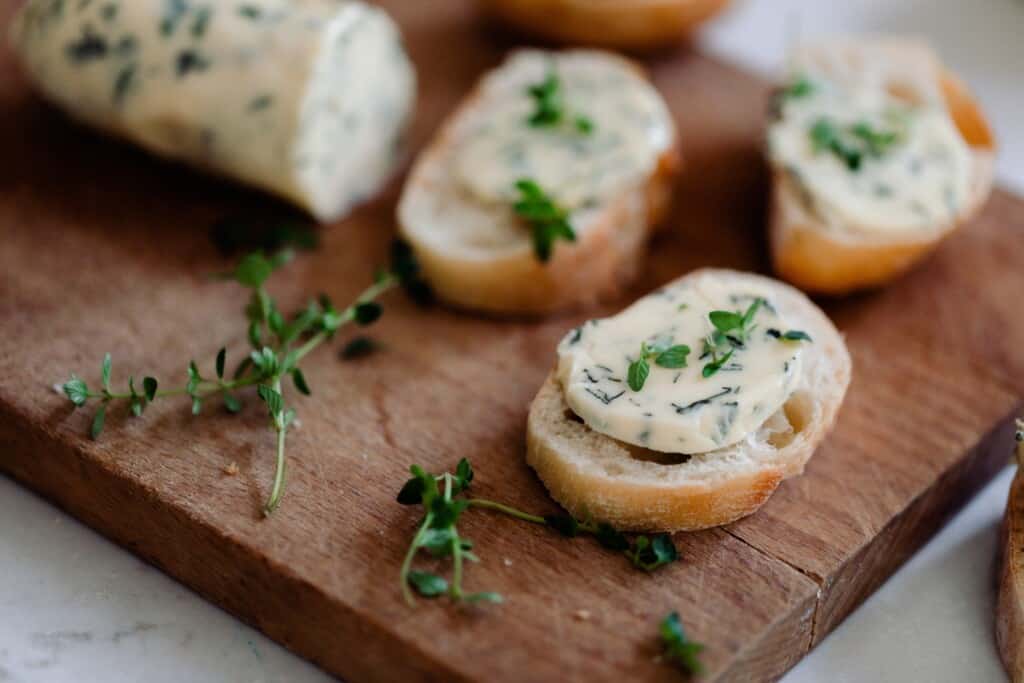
(74, 607)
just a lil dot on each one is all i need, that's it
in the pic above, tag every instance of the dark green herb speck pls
(87, 47)
(188, 61)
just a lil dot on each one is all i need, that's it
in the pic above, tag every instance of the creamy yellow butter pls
(680, 410)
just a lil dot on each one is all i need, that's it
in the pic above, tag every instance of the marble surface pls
(74, 607)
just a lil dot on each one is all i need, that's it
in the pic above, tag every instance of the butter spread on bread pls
(870, 161)
(308, 100)
(878, 153)
(694, 408)
(625, 127)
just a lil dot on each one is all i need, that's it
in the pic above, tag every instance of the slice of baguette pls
(597, 477)
(818, 259)
(1010, 604)
(473, 261)
(615, 24)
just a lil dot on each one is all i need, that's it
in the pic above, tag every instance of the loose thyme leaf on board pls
(678, 649)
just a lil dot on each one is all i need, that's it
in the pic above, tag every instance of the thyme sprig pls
(678, 649)
(663, 353)
(547, 220)
(799, 87)
(438, 535)
(279, 345)
(852, 144)
(549, 106)
(731, 332)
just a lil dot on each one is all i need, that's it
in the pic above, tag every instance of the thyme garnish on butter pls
(279, 346)
(851, 144)
(549, 106)
(800, 87)
(438, 534)
(732, 330)
(663, 353)
(548, 222)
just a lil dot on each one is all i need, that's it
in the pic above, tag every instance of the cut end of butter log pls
(307, 100)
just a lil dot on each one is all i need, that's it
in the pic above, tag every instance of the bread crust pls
(597, 267)
(597, 477)
(1010, 603)
(805, 253)
(636, 25)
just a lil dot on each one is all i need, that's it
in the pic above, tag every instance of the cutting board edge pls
(102, 505)
(914, 527)
(105, 501)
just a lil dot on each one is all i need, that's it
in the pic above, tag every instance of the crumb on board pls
(508, 562)
(231, 469)
(581, 615)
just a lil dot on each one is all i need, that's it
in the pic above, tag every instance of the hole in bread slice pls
(789, 421)
(570, 415)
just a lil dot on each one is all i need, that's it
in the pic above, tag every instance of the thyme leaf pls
(678, 649)
(664, 355)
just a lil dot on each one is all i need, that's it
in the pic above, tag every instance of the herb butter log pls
(878, 153)
(615, 24)
(308, 99)
(541, 190)
(687, 409)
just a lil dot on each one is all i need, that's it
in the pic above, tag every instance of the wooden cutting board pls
(105, 249)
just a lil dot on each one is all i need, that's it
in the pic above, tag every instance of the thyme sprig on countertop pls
(438, 534)
(279, 346)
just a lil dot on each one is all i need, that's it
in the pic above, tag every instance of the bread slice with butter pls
(1010, 603)
(696, 445)
(877, 154)
(591, 136)
(614, 24)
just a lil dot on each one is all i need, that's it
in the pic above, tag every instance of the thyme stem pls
(410, 555)
(279, 474)
(506, 510)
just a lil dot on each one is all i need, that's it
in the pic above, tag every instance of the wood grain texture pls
(106, 249)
